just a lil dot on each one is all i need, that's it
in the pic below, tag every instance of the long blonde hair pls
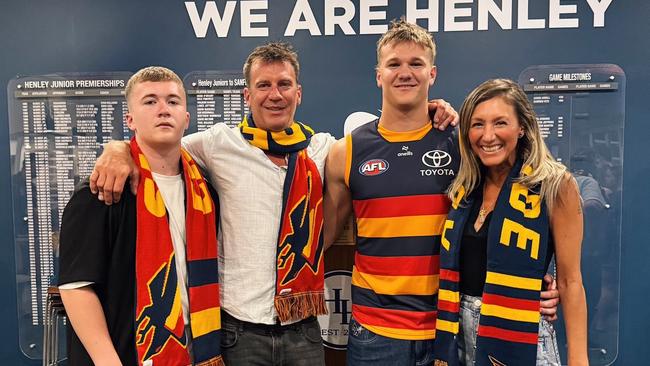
(546, 171)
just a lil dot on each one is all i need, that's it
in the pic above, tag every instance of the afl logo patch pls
(373, 167)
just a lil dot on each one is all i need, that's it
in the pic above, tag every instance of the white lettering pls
(205, 83)
(429, 13)
(452, 12)
(343, 20)
(31, 84)
(503, 15)
(210, 15)
(599, 7)
(62, 84)
(371, 167)
(408, 153)
(430, 172)
(523, 21)
(556, 10)
(341, 16)
(302, 9)
(366, 15)
(248, 18)
(577, 76)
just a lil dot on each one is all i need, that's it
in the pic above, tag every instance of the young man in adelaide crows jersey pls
(393, 174)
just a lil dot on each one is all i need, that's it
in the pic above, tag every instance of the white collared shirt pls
(250, 187)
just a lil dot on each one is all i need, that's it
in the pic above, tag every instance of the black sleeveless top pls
(473, 251)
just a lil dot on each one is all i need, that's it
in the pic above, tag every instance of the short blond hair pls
(402, 31)
(270, 53)
(152, 73)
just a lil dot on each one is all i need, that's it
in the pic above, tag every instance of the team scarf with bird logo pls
(517, 249)
(299, 287)
(161, 338)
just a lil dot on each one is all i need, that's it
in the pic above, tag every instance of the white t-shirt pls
(172, 190)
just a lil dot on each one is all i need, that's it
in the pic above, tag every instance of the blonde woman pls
(513, 207)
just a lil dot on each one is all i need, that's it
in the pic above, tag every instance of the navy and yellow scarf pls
(299, 288)
(517, 248)
(160, 329)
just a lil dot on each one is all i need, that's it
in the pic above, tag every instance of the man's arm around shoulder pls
(111, 170)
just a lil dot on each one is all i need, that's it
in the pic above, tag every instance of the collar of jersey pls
(405, 136)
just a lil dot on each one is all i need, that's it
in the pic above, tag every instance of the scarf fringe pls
(216, 361)
(300, 306)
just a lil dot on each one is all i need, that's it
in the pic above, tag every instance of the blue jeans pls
(368, 348)
(293, 345)
(470, 313)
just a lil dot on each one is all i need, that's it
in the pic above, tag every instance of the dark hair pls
(270, 53)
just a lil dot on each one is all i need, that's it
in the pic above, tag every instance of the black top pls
(473, 253)
(98, 245)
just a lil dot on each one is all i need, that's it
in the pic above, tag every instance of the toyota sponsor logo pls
(373, 167)
(436, 159)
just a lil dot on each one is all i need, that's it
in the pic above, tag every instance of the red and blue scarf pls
(517, 248)
(299, 288)
(160, 329)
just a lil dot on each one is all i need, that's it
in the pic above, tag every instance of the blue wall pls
(47, 36)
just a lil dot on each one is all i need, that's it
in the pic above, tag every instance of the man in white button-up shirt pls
(250, 184)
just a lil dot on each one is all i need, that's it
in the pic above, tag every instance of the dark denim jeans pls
(368, 348)
(293, 345)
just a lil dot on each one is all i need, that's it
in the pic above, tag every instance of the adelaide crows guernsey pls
(398, 182)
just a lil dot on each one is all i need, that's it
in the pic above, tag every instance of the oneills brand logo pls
(405, 151)
(373, 167)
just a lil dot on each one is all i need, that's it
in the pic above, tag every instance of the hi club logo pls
(338, 297)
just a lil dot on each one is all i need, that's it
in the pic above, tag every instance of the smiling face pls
(273, 94)
(494, 133)
(404, 74)
(158, 113)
